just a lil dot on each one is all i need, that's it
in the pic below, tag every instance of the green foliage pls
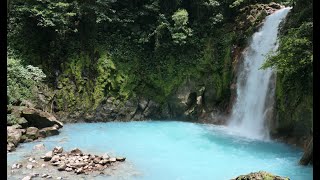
(22, 80)
(293, 63)
(149, 48)
(295, 56)
(180, 30)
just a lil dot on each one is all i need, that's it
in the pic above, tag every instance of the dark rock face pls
(260, 175)
(307, 157)
(40, 119)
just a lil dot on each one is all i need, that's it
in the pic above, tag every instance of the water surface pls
(178, 150)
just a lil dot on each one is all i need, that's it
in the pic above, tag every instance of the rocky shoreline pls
(73, 164)
(31, 124)
(73, 161)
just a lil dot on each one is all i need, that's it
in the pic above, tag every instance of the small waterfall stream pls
(248, 115)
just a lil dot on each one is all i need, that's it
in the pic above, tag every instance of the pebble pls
(27, 178)
(78, 162)
(29, 166)
(16, 166)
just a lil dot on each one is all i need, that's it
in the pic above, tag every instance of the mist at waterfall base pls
(176, 150)
(255, 93)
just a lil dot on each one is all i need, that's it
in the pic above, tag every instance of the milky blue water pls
(178, 150)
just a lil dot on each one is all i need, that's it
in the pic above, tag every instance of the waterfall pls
(248, 117)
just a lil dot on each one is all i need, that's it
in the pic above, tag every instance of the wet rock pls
(44, 175)
(28, 140)
(76, 151)
(260, 175)
(32, 133)
(103, 162)
(48, 156)
(26, 178)
(39, 147)
(40, 119)
(120, 159)
(112, 159)
(10, 147)
(58, 149)
(48, 131)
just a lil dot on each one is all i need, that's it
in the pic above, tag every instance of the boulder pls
(55, 158)
(76, 151)
(275, 5)
(112, 159)
(10, 147)
(40, 119)
(13, 135)
(58, 149)
(27, 103)
(39, 147)
(32, 133)
(120, 159)
(260, 175)
(48, 131)
(48, 156)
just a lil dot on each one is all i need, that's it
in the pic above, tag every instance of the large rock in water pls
(49, 131)
(308, 154)
(32, 133)
(260, 175)
(40, 119)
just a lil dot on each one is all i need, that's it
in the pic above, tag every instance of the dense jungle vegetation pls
(87, 51)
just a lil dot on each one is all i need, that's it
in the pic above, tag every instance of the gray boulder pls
(40, 119)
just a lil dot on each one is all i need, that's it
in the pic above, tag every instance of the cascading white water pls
(248, 112)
